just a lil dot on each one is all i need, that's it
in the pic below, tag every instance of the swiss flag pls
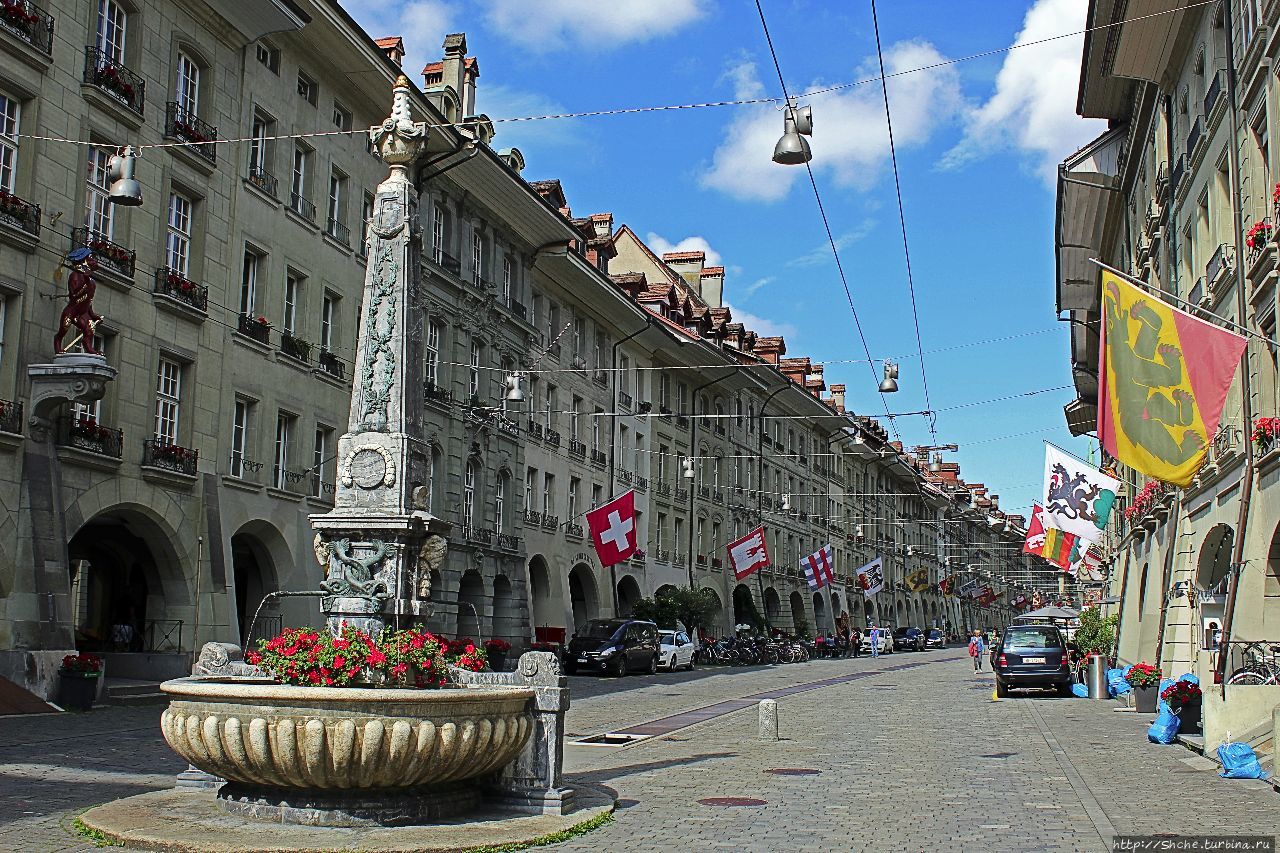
(613, 529)
(749, 554)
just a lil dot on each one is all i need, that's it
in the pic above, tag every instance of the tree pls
(696, 608)
(1096, 634)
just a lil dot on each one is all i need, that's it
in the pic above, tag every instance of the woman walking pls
(976, 649)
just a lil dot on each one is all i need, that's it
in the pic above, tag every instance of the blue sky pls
(977, 144)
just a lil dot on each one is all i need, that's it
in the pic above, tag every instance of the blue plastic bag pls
(1116, 685)
(1165, 727)
(1239, 762)
(1080, 691)
(1189, 678)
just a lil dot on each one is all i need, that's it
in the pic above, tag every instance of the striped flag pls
(1058, 545)
(820, 567)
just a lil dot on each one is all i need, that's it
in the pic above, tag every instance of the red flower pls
(376, 657)
(253, 658)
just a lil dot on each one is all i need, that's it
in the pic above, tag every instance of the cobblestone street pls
(915, 758)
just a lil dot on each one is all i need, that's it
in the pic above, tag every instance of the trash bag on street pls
(1189, 678)
(1116, 685)
(1080, 691)
(1165, 727)
(1239, 762)
(1161, 705)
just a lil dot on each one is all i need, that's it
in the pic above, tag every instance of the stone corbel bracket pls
(70, 378)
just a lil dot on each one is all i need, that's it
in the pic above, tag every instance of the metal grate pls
(793, 771)
(727, 802)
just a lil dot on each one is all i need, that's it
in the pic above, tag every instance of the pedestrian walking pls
(976, 649)
(875, 641)
(855, 642)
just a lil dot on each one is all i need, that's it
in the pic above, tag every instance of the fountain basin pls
(282, 746)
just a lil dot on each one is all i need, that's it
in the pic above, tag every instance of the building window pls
(307, 89)
(321, 450)
(10, 115)
(506, 281)
(548, 493)
(437, 234)
(477, 256)
(240, 421)
(574, 418)
(328, 317)
(366, 217)
(284, 447)
(433, 467)
(595, 428)
(301, 165)
(624, 370)
(178, 242)
(579, 336)
(337, 199)
(500, 502)
(269, 56)
(575, 486)
(100, 212)
(551, 406)
(473, 368)
(553, 322)
(259, 133)
(469, 495)
(663, 451)
(187, 91)
(168, 400)
(434, 331)
(341, 117)
(530, 477)
(639, 465)
(249, 282)
(112, 26)
(597, 495)
(292, 293)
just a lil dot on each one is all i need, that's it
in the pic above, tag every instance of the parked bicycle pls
(1261, 666)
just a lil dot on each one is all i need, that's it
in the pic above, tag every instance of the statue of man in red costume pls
(79, 311)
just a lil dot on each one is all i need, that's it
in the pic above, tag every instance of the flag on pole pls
(1078, 497)
(1163, 380)
(1034, 543)
(749, 554)
(871, 577)
(987, 597)
(1086, 563)
(918, 581)
(819, 567)
(947, 585)
(968, 589)
(613, 529)
(1058, 545)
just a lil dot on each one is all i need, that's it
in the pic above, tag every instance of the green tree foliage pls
(1096, 634)
(695, 608)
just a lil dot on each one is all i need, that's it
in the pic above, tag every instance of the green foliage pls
(97, 836)
(695, 608)
(1096, 634)
(550, 838)
(802, 627)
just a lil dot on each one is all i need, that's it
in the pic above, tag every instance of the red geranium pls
(1181, 693)
(83, 662)
(1143, 675)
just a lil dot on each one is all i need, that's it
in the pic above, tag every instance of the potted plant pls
(1145, 680)
(1259, 235)
(1265, 431)
(78, 681)
(496, 650)
(1184, 699)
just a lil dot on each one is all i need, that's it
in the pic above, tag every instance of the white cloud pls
(765, 327)
(1033, 107)
(588, 24)
(822, 252)
(422, 23)
(531, 137)
(850, 139)
(750, 289)
(661, 245)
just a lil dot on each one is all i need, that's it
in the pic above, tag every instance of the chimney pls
(837, 394)
(770, 349)
(711, 285)
(689, 266)
(453, 72)
(602, 224)
(393, 47)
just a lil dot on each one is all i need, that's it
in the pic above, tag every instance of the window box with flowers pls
(496, 650)
(112, 257)
(1266, 430)
(19, 213)
(1144, 678)
(257, 329)
(78, 681)
(114, 79)
(1145, 502)
(157, 453)
(23, 19)
(1259, 235)
(1184, 699)
(176, 286)
(86, 433)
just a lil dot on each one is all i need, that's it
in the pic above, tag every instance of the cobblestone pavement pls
(911, 759)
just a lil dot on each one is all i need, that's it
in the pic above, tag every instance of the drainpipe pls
(613, 447)
(760, 484)
(1166, 574)
(1246, 388)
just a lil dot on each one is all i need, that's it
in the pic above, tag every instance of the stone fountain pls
(369, 757)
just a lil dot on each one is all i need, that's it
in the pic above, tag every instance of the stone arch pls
(471, 605)
(1142, 590)
(772, 607)
(1215, 557)
(628, 594)
(665, 589)
(719, 618)
(798, 615)
(868, 611)
(258, 550)
(745, 611)
(506, 613)
(820, 622)
(901, 614)
(836, 605)
(584, 596)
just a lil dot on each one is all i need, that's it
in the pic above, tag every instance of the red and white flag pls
(749, 554)
(871, 577)
(820, 567)
(613, 529)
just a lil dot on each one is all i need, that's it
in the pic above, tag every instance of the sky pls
(977, 141)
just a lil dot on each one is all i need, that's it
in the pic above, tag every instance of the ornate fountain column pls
(379, 544)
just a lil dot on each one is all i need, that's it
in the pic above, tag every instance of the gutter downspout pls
(1246, 388)
(1166, 575)
(613, 447)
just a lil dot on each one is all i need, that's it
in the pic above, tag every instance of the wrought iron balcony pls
(1220, 265)
(663, 488)
(19, 213)
(29, 23)
(551, 437)
(1195, 136)
(295, 347)
(664, 413)
(177, 286)
(114, 79)
(477, 535)
(681, 496)
(704, 492)
(535, 429)
(11, 416)
(518, 309)
(701, 559)
(573, 531)
(600, 377)
(550, 522)
(717, 563)
(1176, 173)
(302, 206)
(182, 124)
(578, 449)
(682, 421)
(438, 396)
(509, 427)
(255, 328)
(625, 477)
(1214, 92)
(85, 433)
(110, 256)
(642, 484)
(532, 518)
(338, 231)
(507, 542)
(718, 496)
(598, 457)
(446, 261)
(263, 180)
(244, 469)
(662, 555)
(321, 488)
(331, 364)
(624, 399)
(171, 457)
(285, 480)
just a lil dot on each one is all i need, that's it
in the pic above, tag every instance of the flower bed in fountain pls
(349, 730)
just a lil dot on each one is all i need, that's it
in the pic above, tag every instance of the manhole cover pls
(732, 801)
(793, 771)
(999, 755)
(610, 739)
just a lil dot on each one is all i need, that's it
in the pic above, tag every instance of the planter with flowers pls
(1259, 235)
(497, 650)
(78, 681)
(1145, 680)
(1184, 699)
(1265, 432)
(364, 729)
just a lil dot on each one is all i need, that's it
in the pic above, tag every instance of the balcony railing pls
(551, 437)
(662, 555)
(642, 484)
(255, 328)
(719, 428)
(84, 433)
(114, 79)
(29, 23)
(664, 413)
(477, 535)
(682, 421)
(1214, 92)
(573, 531)
(578, 449)
(171, 457)
(625, 477)
(182, 124)
(509, 427)
(532, 518)
(1195, 135)
(264, 180)
(518, 309)
(110, 256)
(242, 468)
(704, 492)
(302, 206)
(1220, 264)
(286, 480)
(550, 522)
(535, 430)
(598, 457)
(624, 399)
(19, 213)
(321, 488)
(331, 364)
(11, 416)
(338, 231)
(439, 396)
(295, 347)
(663, 488)
(446, 262)
(507, 542)
(718, 496)
(177, 286)
(600, 377)
(1176, 173)
(1226, 442)
(681, 496)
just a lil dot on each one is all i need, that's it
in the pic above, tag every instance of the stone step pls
(132, 691)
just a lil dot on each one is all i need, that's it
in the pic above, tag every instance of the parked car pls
(675, 650)
(935, 639)
(614, 646)
(886, 641)
(1032, 656)
(908, 639)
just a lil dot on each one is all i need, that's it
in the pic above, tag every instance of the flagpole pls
(1072, 455)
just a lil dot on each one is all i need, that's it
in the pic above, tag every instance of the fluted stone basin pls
(308, 748)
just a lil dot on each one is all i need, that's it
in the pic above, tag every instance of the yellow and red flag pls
(1163, 381)
(1058, 547)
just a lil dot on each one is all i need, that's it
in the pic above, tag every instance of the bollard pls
(768, 719)
(1098, 688)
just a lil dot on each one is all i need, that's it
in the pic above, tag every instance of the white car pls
(886, 641)
(675, 650)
